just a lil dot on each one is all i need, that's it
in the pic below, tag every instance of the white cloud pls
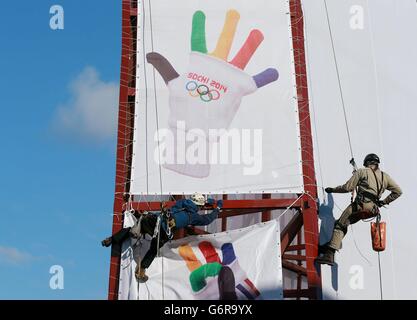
(92, 110)
(13, 255)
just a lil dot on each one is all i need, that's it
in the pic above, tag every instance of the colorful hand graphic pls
(208, 94)
(224, 280)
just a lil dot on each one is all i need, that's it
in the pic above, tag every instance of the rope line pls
(156, 98)
(159, 150)
(338, 79)
(146, 92)
(381, 146)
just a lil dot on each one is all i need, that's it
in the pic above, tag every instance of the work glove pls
(211, 201)
(329, 190)
(208, 94)
(219, 204)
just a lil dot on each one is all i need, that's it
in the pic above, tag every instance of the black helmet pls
(371, 158)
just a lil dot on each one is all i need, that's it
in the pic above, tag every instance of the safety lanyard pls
(378, 187)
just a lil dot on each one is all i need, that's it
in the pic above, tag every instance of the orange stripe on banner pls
(187, 253)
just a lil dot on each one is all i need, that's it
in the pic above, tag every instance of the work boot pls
(106, 242)
(327, 257)
(323, 248)
(140, 274)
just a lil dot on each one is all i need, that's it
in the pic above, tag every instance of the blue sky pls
(58, 100)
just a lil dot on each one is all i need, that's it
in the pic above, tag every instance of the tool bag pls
(378, 234)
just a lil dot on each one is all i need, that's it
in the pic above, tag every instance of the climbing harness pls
(168, 220)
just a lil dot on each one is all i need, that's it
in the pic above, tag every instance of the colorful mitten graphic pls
(208, 94)
(224, 280)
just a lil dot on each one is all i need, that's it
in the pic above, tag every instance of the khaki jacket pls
(364, 179)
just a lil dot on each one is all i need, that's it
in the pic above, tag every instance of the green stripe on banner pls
(199, 275)
(198, 35)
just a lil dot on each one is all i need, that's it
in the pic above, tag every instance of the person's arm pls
(350, 185)
(395, 189)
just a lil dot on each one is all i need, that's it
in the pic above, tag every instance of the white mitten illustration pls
(208, 94)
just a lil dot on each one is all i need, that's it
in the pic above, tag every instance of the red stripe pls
(244, 55)
(252, 286)
(209, 252)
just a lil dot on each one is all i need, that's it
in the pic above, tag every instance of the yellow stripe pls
(226, 38)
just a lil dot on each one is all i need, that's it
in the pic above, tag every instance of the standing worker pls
(371, 183)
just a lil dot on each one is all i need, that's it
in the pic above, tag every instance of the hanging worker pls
(182, 214)
(371, 183)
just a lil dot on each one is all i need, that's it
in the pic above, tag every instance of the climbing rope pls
(159, 151)
(338, 80)
(352, 161)
(380, 130)
(146, 94)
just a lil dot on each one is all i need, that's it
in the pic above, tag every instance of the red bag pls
(378, 235)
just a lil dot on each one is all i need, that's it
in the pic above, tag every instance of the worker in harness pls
(161, 226)
(370, 183)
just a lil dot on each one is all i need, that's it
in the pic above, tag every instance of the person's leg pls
(117, 238)
(121, 236)
(340, 228)
(339, 232)
(146, 262)
(203, 219)
(150, 256)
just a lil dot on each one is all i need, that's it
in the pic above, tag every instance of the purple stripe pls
(266, 77)
(245, 292)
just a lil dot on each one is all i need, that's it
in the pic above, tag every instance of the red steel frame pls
(304, 224)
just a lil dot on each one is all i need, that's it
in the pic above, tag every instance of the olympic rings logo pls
(202, 91)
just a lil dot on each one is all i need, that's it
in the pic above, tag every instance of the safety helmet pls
(371, 158)
(198, 199)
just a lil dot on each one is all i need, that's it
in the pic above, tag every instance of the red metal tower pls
(299, 238)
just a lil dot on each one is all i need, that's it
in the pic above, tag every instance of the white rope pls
(381, 146)
(156, 98)
(338, 79)
(311, 97)
(146, 94)
(292, 204)
(346, 121)
(139, 262)
(159, 151)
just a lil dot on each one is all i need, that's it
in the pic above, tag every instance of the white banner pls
(240, 264)
(216, 102)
